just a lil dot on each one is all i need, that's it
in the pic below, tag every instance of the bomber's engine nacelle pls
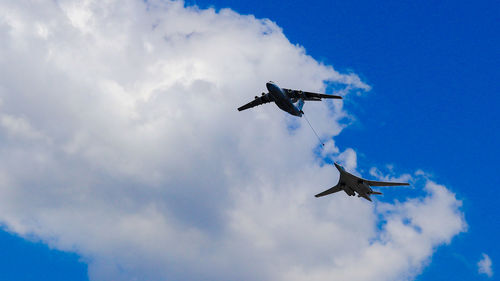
(366, 188)
(348, 190)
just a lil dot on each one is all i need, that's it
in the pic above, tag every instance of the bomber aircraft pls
(352, 184)
(288, 100)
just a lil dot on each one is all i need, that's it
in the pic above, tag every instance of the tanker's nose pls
(269, 85)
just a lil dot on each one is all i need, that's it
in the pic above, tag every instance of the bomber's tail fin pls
(376, 193)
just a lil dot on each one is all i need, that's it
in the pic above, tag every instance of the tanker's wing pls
(384, 183)
(297, 94)
(334, 189)
(265, 98)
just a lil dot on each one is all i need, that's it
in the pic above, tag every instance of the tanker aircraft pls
(352, 184)
(288, 100)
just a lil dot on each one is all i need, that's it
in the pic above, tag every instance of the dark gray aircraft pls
(351, 184)
(288, 100)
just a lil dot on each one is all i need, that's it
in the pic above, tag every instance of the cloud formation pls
(484, 266)
(120, 141)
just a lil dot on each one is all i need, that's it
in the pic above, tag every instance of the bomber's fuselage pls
(282, 100)
(350, 184)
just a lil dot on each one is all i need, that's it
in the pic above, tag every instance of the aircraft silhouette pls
(287, 100)
(352, 184)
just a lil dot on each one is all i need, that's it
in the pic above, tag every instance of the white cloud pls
(484, 266)
(121, 142)
(375, 172)
(18, 127)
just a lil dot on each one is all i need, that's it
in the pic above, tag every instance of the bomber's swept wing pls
(383, 183)
(296, 94)
(265, 98)
(334, 189)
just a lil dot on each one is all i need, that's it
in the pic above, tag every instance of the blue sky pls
(433, 69)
